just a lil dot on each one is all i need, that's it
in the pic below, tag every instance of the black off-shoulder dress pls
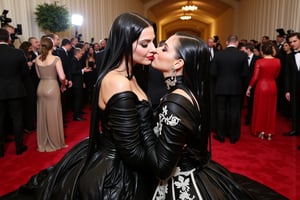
(109, 166)
(123, 160)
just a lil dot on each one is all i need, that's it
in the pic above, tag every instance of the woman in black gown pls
(118, 163)
(179, 155)
(106, 165)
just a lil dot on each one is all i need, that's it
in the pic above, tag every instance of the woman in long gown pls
(179, 154)
(109, 164)
(266, 70)
(50, 130)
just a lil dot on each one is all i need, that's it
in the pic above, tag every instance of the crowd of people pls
(134, 152)
(49, 78)
(264, 79)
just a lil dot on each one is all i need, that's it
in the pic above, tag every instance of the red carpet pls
(273, 163)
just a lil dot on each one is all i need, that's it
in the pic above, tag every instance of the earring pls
(171, 81)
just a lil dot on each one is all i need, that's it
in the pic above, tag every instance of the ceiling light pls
(185, 17)
(189, 6)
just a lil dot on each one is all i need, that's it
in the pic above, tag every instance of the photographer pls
(11, 30)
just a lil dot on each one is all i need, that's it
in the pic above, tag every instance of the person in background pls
(74, 42)
(50, 130)
(55, 40)
(96, 48)
(266, 70)
(292, 82)
(103, 43)
(287, 48)
(63, 54)
(29, 106)
(264, 39)
(252, 58)
(229, 68)
(211, 47)
(91, 77)
(212, 86)
(219, 47)
(286, 107)
(12, 71)
(77, 74)
(256, 50)
(35, 43)
(12, 34)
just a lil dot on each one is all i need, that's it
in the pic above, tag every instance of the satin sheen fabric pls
(265, 96)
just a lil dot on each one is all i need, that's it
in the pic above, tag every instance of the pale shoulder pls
(113, 83)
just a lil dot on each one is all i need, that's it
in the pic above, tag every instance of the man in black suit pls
(292, 82)
(248, 49)
(13, 66)
(35, 52)
(63, 53)
(77, 71)
(212, 103)
(229, 67)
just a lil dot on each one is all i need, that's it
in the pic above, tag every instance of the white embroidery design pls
(171, 120)
(180, 186)
(183, 185)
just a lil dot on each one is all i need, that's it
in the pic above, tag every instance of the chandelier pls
(185, 17)
(189, 6)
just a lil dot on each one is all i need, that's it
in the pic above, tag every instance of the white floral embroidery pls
(171, 120)
(181, 183)
(161, 191)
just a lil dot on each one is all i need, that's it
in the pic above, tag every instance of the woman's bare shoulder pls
(112, 84)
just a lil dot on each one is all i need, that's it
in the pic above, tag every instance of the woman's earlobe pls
(179, 63)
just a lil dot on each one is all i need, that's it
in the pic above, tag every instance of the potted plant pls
(52, 17)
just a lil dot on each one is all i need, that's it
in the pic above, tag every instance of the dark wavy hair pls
(25, 48)
(267, 48)
(46, 46)
(125, 30)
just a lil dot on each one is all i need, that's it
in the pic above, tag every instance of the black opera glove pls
(123, 121)
(145, 119)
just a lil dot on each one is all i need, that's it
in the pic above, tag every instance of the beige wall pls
(224, 25)
(263, 17)
(250, 19)
(98, 15)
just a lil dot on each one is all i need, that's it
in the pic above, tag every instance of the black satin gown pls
(122, 161)
(112, 166)
(179, 157)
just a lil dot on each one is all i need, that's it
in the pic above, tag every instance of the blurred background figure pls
(266, 70)
(29, 106)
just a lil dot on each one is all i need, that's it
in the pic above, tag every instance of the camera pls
(5, 22)
(4, 19)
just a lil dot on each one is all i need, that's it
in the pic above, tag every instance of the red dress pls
(265, 95)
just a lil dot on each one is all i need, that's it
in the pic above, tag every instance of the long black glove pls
(174, 126)
(122, 121)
